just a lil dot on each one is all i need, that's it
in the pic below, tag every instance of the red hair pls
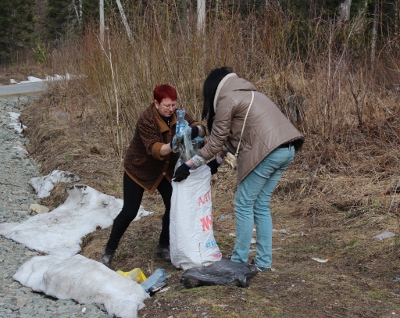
(164, 91)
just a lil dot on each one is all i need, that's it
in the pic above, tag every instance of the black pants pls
(133, 194)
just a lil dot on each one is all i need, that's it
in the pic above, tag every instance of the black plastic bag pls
(224, 272)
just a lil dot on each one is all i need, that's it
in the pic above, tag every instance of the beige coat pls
(266, 126)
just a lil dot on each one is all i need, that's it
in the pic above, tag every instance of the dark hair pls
(164, 91)
(209, 90)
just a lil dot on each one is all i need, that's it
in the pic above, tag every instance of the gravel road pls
(16, 196)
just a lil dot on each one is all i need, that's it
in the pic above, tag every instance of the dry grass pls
(327, 213)
(347, 101)
(20, 72)
(341, 190)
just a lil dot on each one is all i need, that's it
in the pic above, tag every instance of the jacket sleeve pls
(151, 138)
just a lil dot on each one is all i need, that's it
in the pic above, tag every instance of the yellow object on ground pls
(135, 274)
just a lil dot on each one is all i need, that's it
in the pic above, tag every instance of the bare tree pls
(102, 22)
(396, 7)
(374, 30)
(344, 10)
(125, 21)
(78, 10)
(201, 15)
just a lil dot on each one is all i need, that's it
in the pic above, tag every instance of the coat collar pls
(221, 83)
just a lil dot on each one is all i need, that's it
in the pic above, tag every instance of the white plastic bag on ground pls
(192, 241)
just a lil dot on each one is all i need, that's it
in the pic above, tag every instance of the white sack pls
(60, 232)
(85, 281)
(192, 241)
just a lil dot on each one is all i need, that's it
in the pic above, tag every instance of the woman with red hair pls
(149, 166)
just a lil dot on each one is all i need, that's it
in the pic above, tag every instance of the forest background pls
(332, 67)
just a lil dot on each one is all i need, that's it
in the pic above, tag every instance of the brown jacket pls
(142, 161)
(266, 126)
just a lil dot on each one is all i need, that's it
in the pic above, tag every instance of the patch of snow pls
(60, 231)
(44, 185)
(85, 281)
(15, 122)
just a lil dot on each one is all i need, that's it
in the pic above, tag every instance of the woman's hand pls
(175, 144)
(196, 131)
(181, 173)
(214, 164)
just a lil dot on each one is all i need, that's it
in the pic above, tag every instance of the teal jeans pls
(252, 201)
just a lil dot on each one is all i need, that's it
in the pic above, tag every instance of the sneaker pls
(262, 269)
(259, 268)
(106, 259)
(163, 252)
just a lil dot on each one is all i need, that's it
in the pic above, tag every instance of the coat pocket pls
(140, 162)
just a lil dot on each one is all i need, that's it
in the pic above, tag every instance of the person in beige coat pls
(241, 119)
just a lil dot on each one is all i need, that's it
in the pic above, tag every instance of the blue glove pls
(181, 173)
(213, 166)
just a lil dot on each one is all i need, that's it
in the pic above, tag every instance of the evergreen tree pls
(59, 16)
(91, 10)
(70, 17)
(16, 27)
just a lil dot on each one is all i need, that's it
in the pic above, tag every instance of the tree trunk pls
(125, 21)
(374, 30)
(78, 11)
(396, 8)
(201, 15)
(344, 11)
(102, 22)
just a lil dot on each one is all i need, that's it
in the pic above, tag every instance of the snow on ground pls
(44, 185)
(56, 77)
(15, 122)
(60, 232)
(63, 273)
(85, 281)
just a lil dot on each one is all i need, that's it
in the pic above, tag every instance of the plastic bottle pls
(158, 276)
(181, 122)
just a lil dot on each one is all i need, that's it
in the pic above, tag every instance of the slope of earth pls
(326, 262)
